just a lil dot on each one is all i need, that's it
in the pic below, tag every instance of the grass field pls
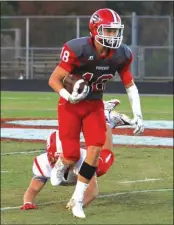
(126, 194)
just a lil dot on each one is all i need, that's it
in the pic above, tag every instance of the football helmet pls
(106, 28)
(53, 145)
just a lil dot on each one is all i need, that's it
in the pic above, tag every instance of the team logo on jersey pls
(91, 57)
(95, 18)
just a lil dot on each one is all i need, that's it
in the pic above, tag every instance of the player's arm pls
(133, 94)
(68, 61)
(62, 70)
(32, 191)
(56, 79)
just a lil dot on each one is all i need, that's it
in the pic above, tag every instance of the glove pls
(75, 97)
(138, 122)
(28, 206)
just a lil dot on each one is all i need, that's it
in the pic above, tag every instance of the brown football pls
(70, 80)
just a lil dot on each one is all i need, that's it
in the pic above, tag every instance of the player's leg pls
(106, 159)
(69, 131)
(108, 141)
(69, 134)
(94, 128)
(90, 194)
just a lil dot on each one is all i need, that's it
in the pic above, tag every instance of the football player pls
(97, 59)
(44, 163)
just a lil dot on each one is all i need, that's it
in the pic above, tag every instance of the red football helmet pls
(105, 161)
(54, 146)
(102, 24)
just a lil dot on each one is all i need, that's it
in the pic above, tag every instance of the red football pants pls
(86, 116)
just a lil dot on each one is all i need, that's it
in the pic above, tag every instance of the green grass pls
(153, 207)
(44, 105)
(137, 208)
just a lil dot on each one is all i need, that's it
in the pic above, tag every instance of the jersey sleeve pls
(124, 72)
(68, 59)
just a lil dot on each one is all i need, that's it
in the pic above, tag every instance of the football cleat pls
(108, 107)
(76, 207)
(117, 119)
(69, 204)
(111, 104)
(28, 205)
(57, 173)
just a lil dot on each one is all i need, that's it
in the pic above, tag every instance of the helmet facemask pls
(110, 41)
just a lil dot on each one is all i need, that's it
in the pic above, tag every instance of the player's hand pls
(138, 121)
(28, 206)
(75, 97)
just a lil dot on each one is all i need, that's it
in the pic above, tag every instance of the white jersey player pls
(44, 163)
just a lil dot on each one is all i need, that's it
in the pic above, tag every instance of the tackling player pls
(96, 59)
(44, 163)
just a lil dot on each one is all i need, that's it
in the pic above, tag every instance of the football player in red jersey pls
(44, 163)
(97, 59)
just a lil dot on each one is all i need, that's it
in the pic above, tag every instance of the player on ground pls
(44, 163)
(96, 59)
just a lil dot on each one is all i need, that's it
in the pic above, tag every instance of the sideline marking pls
(4, 171)
(150, 124)
(100, 196)
(137, 181)
(42, 134)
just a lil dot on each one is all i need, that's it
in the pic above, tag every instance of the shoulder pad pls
(127, 51)
(76, 45)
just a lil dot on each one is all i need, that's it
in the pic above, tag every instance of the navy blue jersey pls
(79, 56)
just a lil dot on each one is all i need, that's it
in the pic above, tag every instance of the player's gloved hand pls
(138, 121)
(76, 97)
(28, 206)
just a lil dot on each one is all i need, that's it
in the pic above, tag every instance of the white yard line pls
(139, 181)
(23, 98)
(4, 171)
(29, 109)
(26, 153)
(100, 196)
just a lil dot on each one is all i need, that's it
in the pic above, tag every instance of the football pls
(70, 80)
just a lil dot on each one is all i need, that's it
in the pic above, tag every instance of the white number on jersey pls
(64, 55)
(99, 84)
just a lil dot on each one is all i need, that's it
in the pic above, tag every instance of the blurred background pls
(33, 32)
